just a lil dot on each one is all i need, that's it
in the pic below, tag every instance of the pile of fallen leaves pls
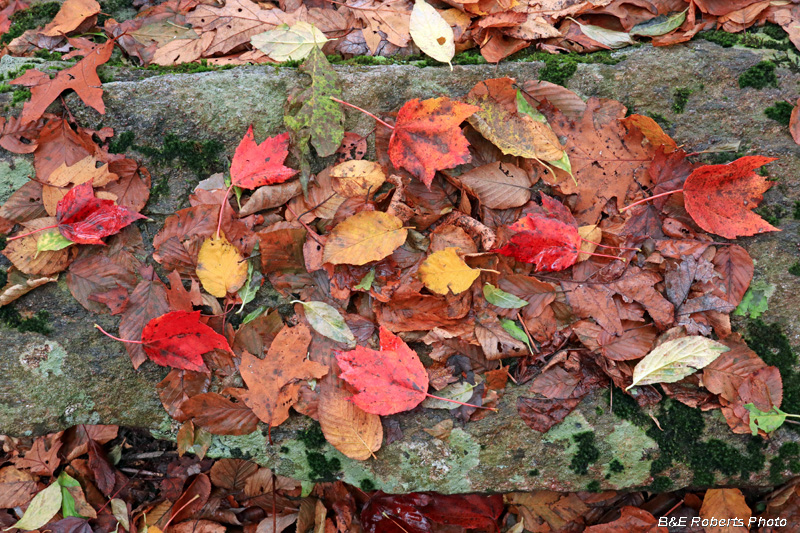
(242, 31)
(100, 479)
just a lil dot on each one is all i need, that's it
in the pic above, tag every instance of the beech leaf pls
(660, 25)
(431, 32)
(352, 431)
(327, 321)
(444, 271)
(388, 381)
(604, 36)
(674, 360)
(289, 43)
(364, 237)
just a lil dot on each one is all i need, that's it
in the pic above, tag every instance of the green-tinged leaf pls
(248, 291)
(366, 282)
(312, 117)
(51, 240)
(327, 321)
(252, 315)
(460, 392)
(524, 107)
(676, 359)
(565, 165)
(431, 32)
(286, 43)
(120, 511)
(660, 25)
(609, 38)
(67, 501)
(755, 300)
(767, 421)
(517, 332)
(501, 298)
(42, 509)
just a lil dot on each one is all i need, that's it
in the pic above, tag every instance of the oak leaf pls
(426, 136)
(721, 198)
(273, 383)
(364, 237)
(82, 78)
(255, 165)
(388, 381)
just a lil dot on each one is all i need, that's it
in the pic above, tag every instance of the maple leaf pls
(388, 381)
(85, 219)
(720, 198)
(426, 136)
(82, 78)
(178, 340)
(255, 165)
(545, 242)
(273, 382)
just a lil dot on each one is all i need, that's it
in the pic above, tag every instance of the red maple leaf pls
(255, 165)
(720, 198)
(388, 381)
(85, 219)
(178, 340)
(426, 136)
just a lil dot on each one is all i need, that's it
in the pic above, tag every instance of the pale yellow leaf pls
(676, 359)
(286, 42)
(220, 267)
(445, 271)
(431, 32)
(364, 237)
(357, 178)
(84, 170)
(355, 433)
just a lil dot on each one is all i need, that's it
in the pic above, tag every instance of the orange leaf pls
(71, 15)
(652, 131)
(427, 138)
(82, 78)
(720, 198)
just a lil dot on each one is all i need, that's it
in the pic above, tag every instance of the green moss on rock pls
(780, 112)
(680, 97)
(587, 453)
(759, 76)
(29, 19)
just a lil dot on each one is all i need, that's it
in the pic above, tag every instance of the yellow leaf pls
(445, 271)
(592, 233)
(354, 432)
(357, 178)
(364, 237)
(220, 267)
(431, 32)
(84, 170)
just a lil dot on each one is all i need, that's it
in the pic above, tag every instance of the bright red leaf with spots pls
(178, 340)
(388, 381)
(426, 136)
(721, 198)
(255, 165)
(85, 219)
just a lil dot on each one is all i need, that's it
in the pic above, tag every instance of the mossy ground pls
(780, 112)
(28, 19)
(759, 76)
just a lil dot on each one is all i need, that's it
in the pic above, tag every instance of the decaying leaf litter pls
(440, 244)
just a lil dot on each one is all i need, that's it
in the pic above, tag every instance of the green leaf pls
(312, 117)
(43, 507)
(610, 38)
(52, 240)
(565, 165)
(676, 359)
(67, 501)
(286, 43)
(248, 291)
(755, 300)
(769, 421)
(501, 298)
(327, 321)
(515, 331)
(366, 282)
(252, 315)
(524, 107)
(659, 25)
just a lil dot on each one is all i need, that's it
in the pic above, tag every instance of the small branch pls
(363, 111)
(471, 226)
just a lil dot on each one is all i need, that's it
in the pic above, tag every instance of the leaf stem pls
(31, 233)
(648, 199)
(107, 334)
(605, 255)
(608, 246)
(429, 395)
(222, 208)
(362, 110)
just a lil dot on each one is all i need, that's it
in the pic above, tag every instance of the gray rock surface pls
(73, 375)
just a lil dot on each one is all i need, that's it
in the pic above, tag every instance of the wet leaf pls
(676, 359)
